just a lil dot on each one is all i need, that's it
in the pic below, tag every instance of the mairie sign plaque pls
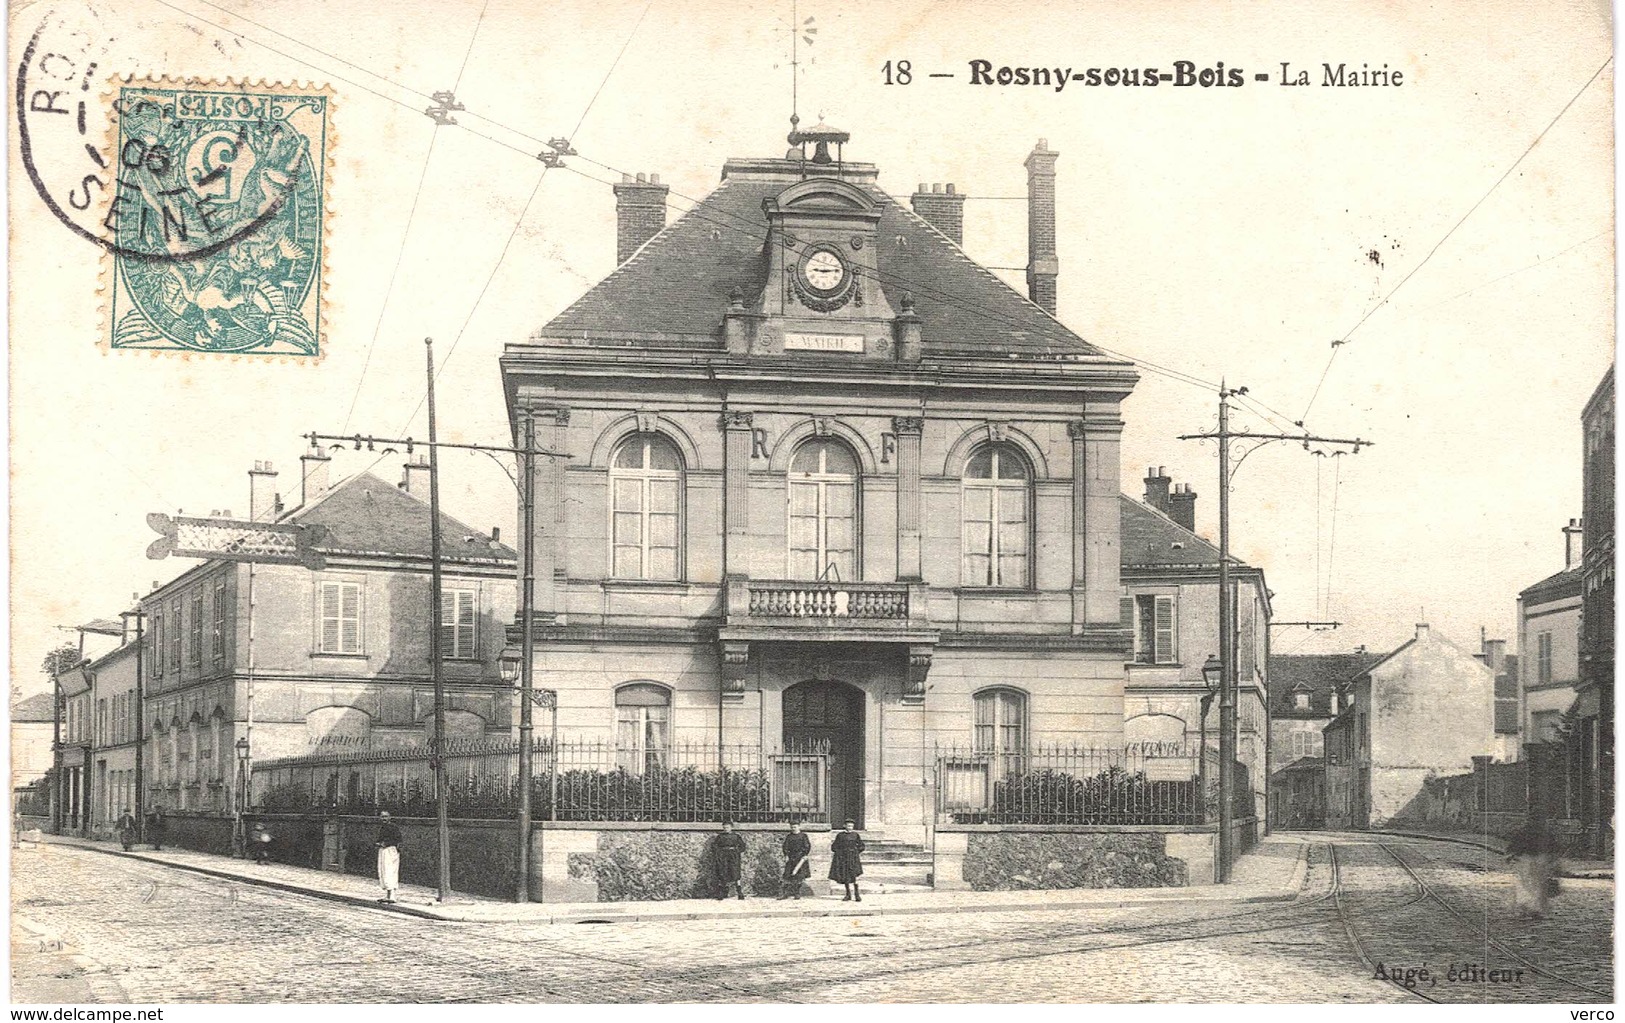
(235, 540)
(823, 343)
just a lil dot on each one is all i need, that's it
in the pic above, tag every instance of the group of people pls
(129, 829)
(845, 864)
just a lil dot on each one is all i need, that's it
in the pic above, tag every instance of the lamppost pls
(1212, 675)
(511, 667)
(239, 833)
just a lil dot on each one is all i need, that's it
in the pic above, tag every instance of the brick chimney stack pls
(415, 479)
(1573, 542)
(263, 501)
(942, 208)
(313, 477)
(1042, 265)
(1157, 482)
(640, 213)
(1182, 506)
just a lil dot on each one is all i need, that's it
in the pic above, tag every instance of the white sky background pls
(1223, 232)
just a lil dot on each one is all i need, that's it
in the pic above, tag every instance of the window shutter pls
(1165, 629)
(350, 634)
(330, 617)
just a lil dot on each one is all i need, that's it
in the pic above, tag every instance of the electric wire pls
(1336, 345)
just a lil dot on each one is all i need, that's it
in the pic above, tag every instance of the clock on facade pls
(823, 280)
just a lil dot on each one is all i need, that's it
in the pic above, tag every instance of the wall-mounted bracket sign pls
(220, 539)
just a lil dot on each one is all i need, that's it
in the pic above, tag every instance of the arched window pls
(996, 502)
(1001, 722)
(646, 501)
(824, 512)
(642, 726)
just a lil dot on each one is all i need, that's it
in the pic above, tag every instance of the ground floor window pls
(642, 726)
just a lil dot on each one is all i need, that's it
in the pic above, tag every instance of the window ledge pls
(338, 656)
(996, 591)
(1155, 664)
(653, 585)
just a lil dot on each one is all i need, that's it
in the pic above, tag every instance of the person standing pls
(126, 829)
(797, 851)
(389, 856)
(262, 845)
(156, 826)
(846, 861)
(1533, 851)
(729, 851)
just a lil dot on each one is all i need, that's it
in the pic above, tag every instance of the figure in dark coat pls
(797, 852)
(1533, 850)
(846, 861)
(126, 830)
(156, 827)
(729, 850)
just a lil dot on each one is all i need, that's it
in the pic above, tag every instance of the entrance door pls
(832, 713)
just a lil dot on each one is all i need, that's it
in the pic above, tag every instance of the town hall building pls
(827, 480)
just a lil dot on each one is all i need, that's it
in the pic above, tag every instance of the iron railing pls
(583, 781)
(1147, 783)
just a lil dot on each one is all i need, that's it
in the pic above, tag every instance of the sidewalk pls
(1272, 872)
(1571, 867)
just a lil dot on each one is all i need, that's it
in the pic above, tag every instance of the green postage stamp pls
(216, 225)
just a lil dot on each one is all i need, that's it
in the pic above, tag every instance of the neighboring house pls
(340, 657)
(1171, 602)
(73, 757)
(828, 480)
(1307, 691)
(114, 726)
(1549, 623)
(32, 720)
(1594, 706)
(1424, 711)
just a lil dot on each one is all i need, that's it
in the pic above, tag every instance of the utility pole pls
(437, 751)
(1227, 686)
(527, 454)
(140, 617)
(527, 677)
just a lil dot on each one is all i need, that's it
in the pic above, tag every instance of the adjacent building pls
(1306, 692)
(829, 481)
(32, 721)
(300, 661)
(114, 735)
(1549, 624)
(1422, 712)
(1594, 703)
(1170, 581)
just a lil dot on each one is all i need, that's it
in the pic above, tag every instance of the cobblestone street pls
(165, 935)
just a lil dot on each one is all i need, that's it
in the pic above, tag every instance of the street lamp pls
(1212, 675)
(509, 663)
(242, 794)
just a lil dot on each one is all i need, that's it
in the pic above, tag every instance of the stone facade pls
(823, 462)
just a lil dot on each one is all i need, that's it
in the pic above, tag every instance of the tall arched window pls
(824, 512)
(646, 501)
(1001, 722)
(642, 726)
(996, 502)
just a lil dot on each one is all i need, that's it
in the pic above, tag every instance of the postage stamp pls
(216, 221)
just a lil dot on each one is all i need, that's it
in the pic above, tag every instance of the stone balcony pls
(844, 608)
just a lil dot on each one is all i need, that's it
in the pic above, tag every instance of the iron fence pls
(1147, 783)
(580, 781)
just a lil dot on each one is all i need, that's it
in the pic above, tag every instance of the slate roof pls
(34, 708)
(1554, 587)
(365, 515)
(676, 287)
(1318, 673)
(1152, 539)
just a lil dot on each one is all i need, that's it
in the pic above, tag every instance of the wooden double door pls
(824, 714)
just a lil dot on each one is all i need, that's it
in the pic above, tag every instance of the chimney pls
(943, 209)
(640, 213)
(1182, 506)
(1156, 488)
(312, 475)
(1573, 537)
(1422, 631)
(262, 495)
(1042, 266)
(415, 480)
(1495, 654)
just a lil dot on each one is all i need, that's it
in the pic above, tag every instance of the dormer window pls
(1300, 701)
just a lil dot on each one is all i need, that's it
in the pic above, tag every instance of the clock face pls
(824, 270)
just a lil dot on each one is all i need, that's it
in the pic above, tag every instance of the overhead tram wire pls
(1331, 546)
(925, 290)
(1338, 344)
(525, 211)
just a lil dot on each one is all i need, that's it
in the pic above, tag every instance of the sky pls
(1221, 233)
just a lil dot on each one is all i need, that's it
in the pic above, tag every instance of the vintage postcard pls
(810, 501)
